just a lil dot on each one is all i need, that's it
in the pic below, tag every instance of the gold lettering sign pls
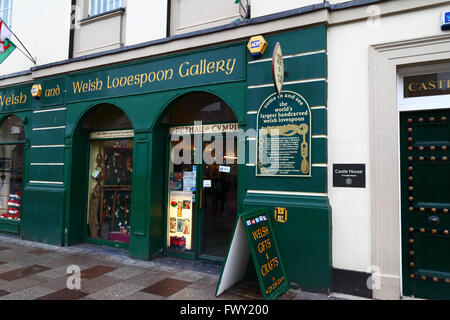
(114, 134)
(13, 99)
(427, 85)
(184, 70)
(205, 129)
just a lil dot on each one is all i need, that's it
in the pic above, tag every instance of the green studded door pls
(425, 192)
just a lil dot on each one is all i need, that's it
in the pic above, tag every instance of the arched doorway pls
(201, 177)
(102, 169)
(12, 146)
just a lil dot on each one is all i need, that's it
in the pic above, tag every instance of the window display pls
(182, 185)
(110, 181)
(12, 146)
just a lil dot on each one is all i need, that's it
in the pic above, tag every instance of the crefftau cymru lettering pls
(184, 70)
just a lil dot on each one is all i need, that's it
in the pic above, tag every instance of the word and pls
(52, 92)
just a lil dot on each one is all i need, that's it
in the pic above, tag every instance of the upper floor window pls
(102, 6)
(6, 11)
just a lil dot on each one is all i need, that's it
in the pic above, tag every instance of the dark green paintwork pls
(160, 74)
(429, 249)
(17, 98)
(52, 93)
(56, 212)
(304, 240)
(296, 68)
(264, 251)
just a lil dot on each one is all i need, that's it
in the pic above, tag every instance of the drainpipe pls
(169, 7)
(72, 28)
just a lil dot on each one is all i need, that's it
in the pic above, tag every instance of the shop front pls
(14, 150)
(159, 156)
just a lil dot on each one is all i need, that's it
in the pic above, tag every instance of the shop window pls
(101, 27)
(102, 6)
(193, 15)
(12, 146)
(110, 174)
(6, 11)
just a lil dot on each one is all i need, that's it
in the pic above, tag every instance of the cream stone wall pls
(43, 27)
(366, 224)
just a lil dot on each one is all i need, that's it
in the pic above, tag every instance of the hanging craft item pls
(187, 223)
(173, 225)
(94, 204)
(180, 209)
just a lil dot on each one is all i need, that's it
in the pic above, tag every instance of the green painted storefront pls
(55, 195)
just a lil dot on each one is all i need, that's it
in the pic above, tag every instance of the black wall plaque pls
(349, 175)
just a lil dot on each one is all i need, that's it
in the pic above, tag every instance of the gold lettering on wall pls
(13, 99)
(184, 71)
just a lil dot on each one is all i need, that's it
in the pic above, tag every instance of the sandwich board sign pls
(254, 238)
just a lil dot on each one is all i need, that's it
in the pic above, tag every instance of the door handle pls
(201, 199)
(433, 220)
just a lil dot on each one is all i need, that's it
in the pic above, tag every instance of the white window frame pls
(96, 6)
(421, 103)
(6, 12)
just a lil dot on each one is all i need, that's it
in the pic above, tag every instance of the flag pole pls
(29, 54)
(29, 58)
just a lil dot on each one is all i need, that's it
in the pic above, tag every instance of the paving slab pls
(98, 284)
(167, 287)
(116, 292)
(28, 294)
(64, 294)
(192, 294)
(30, 270)
(22, 272)
(126, 272)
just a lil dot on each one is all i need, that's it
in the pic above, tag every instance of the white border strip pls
(288, 83)
(320, 165)
(48, 146)
(290, 193)
(50, 110)
(320, 136)
(46, 164)
(47, 182)
(49, 128)
(295, 55)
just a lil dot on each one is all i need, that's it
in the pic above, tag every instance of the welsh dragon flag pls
(6, 45)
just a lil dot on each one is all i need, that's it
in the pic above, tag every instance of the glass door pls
(218, 212)
(181, 196)
(202, 195)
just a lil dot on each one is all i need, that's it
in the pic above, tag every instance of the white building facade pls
(387, 77)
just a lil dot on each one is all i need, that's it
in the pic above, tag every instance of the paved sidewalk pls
(34, 271)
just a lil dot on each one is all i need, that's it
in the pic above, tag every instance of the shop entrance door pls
(219, 200)
(202, 193)
(425, 183)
